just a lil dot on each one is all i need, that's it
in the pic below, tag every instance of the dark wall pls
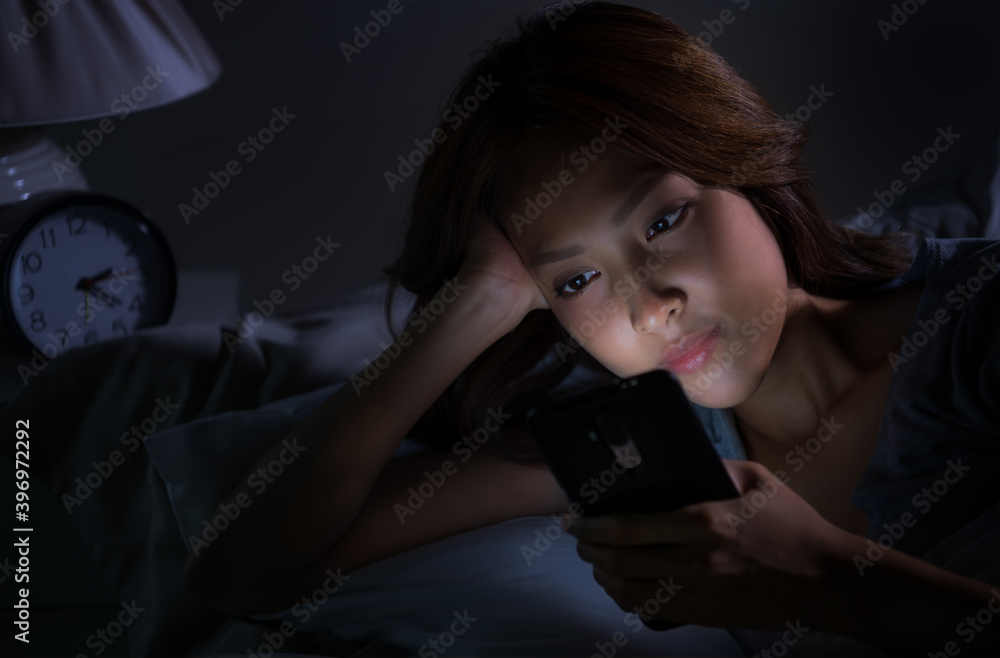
(323, 174)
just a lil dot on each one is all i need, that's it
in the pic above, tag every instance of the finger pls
(640, 561)
(691, 524)
(645, 597)
(747, 475)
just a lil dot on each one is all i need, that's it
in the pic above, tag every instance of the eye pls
(580, 282)
(670, 220)
(663, 224)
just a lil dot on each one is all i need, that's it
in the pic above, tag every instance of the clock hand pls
(86, 283)
(108, 298)
(107, 274)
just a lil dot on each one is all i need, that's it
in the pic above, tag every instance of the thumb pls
(746, 474)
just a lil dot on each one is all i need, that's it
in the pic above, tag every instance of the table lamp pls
(76, 60)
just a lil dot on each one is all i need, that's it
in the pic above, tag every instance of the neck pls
(809, 372)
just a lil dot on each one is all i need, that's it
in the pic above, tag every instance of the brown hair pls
(686, 110)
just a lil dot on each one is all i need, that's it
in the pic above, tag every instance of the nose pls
(651, 307)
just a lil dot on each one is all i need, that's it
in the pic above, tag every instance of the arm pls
(345, 444)
(901, 603)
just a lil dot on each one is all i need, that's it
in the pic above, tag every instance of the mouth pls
(692, 354)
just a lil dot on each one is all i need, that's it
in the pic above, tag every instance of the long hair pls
(685, 108)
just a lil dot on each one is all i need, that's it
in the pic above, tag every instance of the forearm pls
(344, 446)
(907, 606)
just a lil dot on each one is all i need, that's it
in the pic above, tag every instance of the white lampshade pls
(77, 62)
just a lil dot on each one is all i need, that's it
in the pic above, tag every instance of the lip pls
(692, 353)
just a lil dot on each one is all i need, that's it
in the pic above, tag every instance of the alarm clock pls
(77, 268)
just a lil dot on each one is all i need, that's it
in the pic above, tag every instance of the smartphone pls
(634, 445)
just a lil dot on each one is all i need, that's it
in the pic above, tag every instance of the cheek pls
(603, 330)
(749, 288)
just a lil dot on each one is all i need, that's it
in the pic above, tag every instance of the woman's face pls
(634, 261)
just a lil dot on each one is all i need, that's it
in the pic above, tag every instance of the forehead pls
(561, 174)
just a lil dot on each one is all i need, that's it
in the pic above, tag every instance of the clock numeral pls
(129, 245)
(37, 321)
(119, 325)
(90, 337)
(31, 262)
(26, 293)
(136, 304)
(51, 237)
(75, 224)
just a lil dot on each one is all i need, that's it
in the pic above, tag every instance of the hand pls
(492, 262)
(757, 561)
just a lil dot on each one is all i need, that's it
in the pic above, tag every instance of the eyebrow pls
(634, 198)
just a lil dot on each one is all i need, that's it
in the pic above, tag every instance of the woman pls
(617, 198)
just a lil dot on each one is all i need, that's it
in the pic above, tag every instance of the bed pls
(204, 414)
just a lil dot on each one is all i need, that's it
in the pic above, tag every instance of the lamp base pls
(26, 159)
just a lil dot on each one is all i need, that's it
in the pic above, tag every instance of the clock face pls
(84, 271)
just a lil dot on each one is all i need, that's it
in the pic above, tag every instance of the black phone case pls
(584, 439)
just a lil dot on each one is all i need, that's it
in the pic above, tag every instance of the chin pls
(720, 392)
